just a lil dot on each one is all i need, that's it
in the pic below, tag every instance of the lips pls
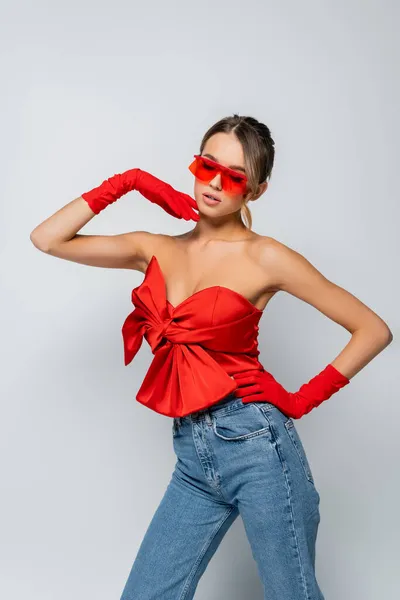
(212, 197)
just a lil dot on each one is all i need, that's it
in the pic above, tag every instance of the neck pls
(227, 228)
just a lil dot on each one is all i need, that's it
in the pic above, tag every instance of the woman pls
(198, 307)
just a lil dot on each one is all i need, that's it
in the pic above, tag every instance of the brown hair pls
(258, 148)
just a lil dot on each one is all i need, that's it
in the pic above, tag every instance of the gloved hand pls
(260, 386)
(175, 203)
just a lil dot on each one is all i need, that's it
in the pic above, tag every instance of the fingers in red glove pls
(246, 390)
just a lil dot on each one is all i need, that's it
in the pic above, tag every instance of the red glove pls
(260, 386)
(175, 203)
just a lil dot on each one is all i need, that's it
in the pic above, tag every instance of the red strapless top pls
(197, 345)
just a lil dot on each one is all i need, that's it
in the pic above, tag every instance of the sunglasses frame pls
(227, 175)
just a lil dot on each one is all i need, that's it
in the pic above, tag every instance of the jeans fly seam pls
(214, 485)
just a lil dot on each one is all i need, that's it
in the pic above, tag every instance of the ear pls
(260, 190)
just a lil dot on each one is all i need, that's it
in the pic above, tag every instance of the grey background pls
(90, 89)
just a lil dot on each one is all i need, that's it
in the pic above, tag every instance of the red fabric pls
(177, 204)
(197, 345)
(261, 386)
(111, 190)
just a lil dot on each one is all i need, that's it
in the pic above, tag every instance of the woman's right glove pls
(175, 203)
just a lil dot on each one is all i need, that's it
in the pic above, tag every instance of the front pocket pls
(240, 425)
(294, 436)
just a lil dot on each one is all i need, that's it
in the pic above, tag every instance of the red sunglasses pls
(205, 169)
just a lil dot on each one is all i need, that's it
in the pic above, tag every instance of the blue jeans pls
(232, 458)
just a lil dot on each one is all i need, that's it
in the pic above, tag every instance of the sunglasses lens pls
(193, 167)
(206, 171)
(237, 185)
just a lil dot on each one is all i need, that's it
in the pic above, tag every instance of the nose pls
(216, 182)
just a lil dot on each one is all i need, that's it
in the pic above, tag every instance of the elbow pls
(389, 336)
(383, 334)
(376, 333)
(39, 242)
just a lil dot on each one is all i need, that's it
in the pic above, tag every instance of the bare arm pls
(58, 236)
(293, 273)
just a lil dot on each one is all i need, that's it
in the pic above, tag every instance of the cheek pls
(198, 190)
(198, 187)
(234, 202)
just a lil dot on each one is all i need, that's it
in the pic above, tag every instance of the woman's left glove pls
(260, 386)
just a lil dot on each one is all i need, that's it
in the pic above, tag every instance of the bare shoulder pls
(279, 260)
(268, 250)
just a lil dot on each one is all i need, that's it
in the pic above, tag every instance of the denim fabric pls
(232, 458)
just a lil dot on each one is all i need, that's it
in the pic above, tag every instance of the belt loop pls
(208, 417)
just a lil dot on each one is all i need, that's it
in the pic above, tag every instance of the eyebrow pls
(235, 167)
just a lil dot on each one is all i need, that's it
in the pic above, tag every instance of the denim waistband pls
(226, 404)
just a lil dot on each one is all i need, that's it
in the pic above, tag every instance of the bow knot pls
(158, 334)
